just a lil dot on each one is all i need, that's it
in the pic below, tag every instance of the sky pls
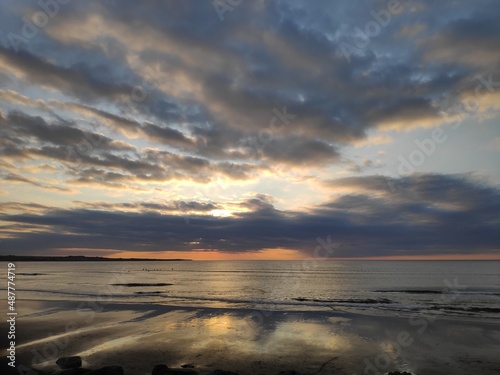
(238, 129)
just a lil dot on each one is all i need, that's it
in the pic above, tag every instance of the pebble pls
(69, 362)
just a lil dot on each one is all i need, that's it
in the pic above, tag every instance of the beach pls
(251, 342)
(259, 318)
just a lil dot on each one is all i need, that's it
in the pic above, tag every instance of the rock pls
(188, 365)
(69, 362)
(160, 370)
(164, 370)
(9, 370)
(288, 372)
(108, 370)
(222, 372)
(399, 373)
(75, 371)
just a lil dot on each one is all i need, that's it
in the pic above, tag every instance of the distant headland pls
(78, 258)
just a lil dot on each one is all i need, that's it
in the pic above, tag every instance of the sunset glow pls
(278, 130)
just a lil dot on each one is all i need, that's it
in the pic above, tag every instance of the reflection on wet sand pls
(228, 339)
(286, 337)
(138, 338)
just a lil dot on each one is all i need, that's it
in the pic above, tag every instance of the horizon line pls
(437, 257)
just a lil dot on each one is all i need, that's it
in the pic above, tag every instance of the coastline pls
(82, 258)
(140, 336)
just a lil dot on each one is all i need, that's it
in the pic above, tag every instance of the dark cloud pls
(427, 214)
(166, 135)
(130, 127)
(141, 95)
(92, 158)
(23, 207)
(62, 134)
(76, 80)
(176, 206)
(11, 177)
(299, 151)
(191, 68)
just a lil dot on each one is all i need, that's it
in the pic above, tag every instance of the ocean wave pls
(424, 291)
(354, 300)
(291, 304)
(142, 284)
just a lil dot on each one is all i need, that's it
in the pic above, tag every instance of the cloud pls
(14, 97)
(63, 134)
(469, 39)
(91, 158)
(234, 74)
(374, 140)
(138, 99)
(76, 80)
(12, 177)
(182, 207)
(13, 207)
(130, 127)
(298, 151)
(426, 214)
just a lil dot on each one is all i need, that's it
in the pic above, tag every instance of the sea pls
(447, 288)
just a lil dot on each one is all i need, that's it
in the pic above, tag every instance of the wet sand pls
(138, 337)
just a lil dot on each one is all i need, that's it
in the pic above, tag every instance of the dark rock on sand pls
(75, 371)
(188, 365)
(399, 373)
(160, 370)
(69, 362)
(108, 370)
(289, 372)
(222, 372)
(181, 371)
(164, 370)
